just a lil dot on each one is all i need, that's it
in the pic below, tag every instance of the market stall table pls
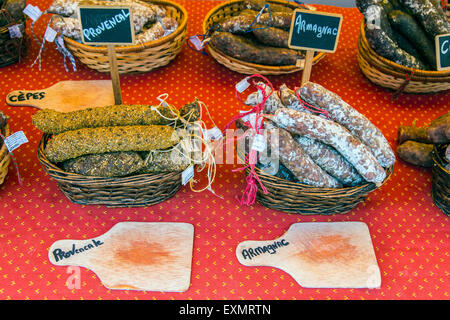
(410, 234)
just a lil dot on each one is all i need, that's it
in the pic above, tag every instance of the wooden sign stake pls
(313, 31)
(114, 74)
(307, 67)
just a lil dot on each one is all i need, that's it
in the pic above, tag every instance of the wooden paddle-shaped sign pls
(151, 256)
(66, 96)
(319, 255)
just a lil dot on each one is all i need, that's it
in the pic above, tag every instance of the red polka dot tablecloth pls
(410, 234)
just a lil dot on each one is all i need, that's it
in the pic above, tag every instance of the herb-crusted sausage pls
(55, 122)
(76, 143)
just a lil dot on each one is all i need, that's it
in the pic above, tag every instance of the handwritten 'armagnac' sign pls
(313, 30)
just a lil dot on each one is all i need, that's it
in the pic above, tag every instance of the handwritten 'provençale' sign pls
(104, 25)
(150, 256)
(313, 30)
(443, 51)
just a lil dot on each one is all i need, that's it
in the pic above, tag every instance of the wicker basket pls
(230, 8)
(137, 58)
(292, 197)
(5, 158)
(133, 191)
(388, 74)
(12, 50)
(440, 189)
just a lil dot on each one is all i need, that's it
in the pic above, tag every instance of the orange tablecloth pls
(410, 235)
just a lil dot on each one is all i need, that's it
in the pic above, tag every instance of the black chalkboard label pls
(313, 30)
(105, 25)
(443, 51)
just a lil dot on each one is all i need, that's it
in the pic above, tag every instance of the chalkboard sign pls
(105, 25)
(317, 31)
(443, 51)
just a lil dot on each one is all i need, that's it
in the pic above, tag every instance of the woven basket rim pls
(394, 69)
(262, 67)
(302, 187)
(77, 179)
(5, 132)
(138, 47)
(437, 159)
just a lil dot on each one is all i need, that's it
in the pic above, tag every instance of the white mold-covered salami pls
(335, 135)
(142, 12)
(293, 157)
(68, 27)
(290, 100)
(159, 29)
(273, 102)
(331, 161)
(64, 8)
(355, 122)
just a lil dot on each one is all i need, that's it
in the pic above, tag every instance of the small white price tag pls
(187, 175)
(186, 144)
(242, 85)
(15, 140)
(247, 117)
(196, 42)
(50, 34)
(214, 134)
(14, 31)
(259, 143)
(32, 11)
(373, 17)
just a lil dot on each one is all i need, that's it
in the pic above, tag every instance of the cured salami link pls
(380, 42)
(68, 27)
(64, 7)
(439, 129)
(247, 50)
(416, 153)
(271, 36)
(76, 143)
(335, 135)
(158, 30)
(294, 158)
(246, 21)
(142, 13)
(331, 161)
(259, 4)
(430, 18)
(237, 24)
(344, 114)
(290, 100)
(273, 102)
